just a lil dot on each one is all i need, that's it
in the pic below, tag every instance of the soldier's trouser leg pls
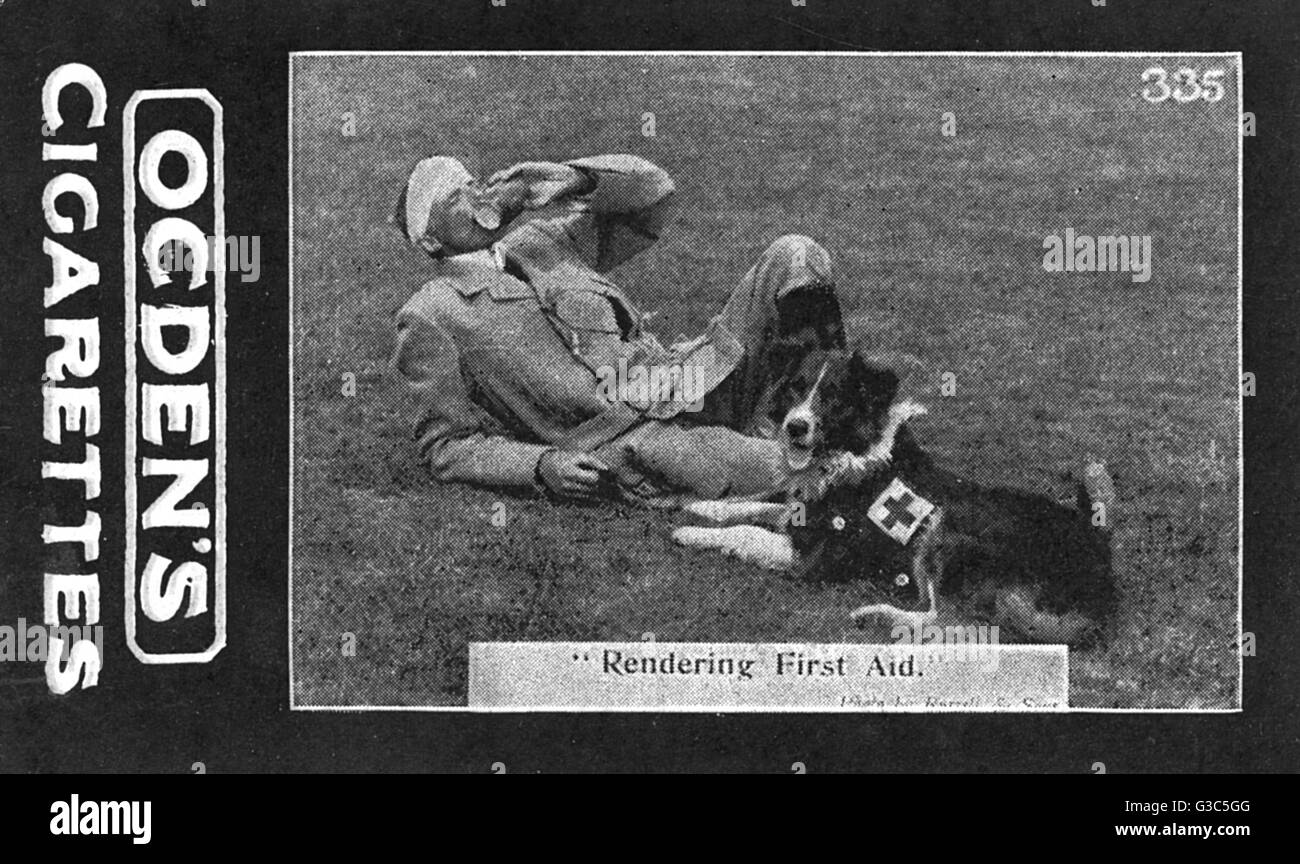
(705, 454)
(671, 463)
(790, 289)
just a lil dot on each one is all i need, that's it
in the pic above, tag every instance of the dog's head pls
(831, 401)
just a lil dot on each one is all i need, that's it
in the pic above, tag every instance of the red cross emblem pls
(899, 511)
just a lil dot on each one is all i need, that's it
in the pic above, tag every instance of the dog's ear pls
(785, 356)
(876, 382)
(859, 368)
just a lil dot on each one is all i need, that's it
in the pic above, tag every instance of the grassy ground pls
(938, 245)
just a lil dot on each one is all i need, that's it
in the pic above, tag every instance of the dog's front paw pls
(873, 616)
(694, 536)
(713, 511)
(885, 616)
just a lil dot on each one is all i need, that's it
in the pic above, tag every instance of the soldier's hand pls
(536, 184)
(570, 473)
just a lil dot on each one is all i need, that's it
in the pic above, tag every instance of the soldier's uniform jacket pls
(505, 344)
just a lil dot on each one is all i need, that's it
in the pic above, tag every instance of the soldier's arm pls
(455, 435)
(604, 208)
(620, 211)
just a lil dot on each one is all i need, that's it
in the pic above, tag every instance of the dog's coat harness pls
(899, 511)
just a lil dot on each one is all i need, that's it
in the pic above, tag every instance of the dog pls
(862, 499)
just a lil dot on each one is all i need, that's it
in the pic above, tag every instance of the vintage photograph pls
(765, 349)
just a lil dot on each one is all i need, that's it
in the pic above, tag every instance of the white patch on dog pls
(798, 456)
(731, 512)
(812, 483)
(749, 543)
(899, 413)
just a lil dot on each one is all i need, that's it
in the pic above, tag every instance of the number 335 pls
(1184, 87)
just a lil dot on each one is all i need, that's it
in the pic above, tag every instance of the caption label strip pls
(687, 676)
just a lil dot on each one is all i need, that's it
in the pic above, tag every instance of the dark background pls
(232, 714)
